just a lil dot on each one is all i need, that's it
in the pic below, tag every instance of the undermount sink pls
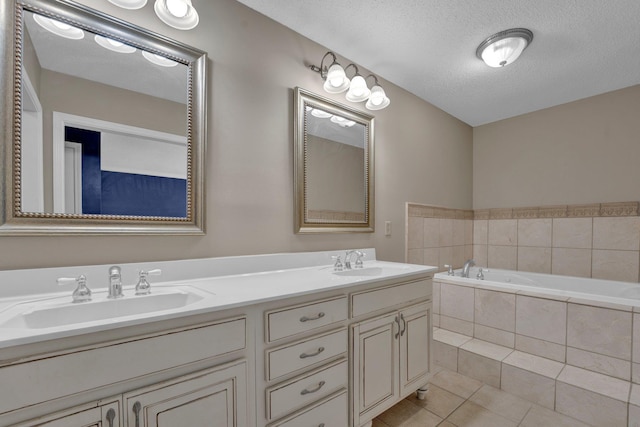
(369, 271)
(53, 313)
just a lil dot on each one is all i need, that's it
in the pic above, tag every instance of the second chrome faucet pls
(115, 282)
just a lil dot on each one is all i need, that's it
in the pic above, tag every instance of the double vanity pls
(269, 340)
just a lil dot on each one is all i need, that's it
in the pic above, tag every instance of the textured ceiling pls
(580, 48)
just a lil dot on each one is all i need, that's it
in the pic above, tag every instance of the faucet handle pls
(450, 269)
(359, 256)
(338, 264)
(143, 287)
(82, 293)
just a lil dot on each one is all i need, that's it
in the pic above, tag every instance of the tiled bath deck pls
(456, 400)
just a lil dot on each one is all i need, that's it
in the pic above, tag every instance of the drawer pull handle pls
(111, 414)
(306, 319)
(136, 410)
(307, 391)
(305, 355)
(397, 320)
(404, 323)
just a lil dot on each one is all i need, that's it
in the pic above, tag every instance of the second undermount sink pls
(54, 313)
(370, 271)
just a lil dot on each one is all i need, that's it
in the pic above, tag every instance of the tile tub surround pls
(599, 240)
(578, 357)
(438, 236)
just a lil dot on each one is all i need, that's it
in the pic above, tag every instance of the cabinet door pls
(415, 334)
(215, 397)
(375, 370)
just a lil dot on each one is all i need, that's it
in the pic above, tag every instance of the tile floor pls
(454, 400)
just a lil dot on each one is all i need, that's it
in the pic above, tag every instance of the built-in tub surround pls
(544, 338)
(600, 240)
(597, 240)
(438, 236)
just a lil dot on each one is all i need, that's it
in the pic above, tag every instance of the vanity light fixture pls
(113, 45)
(158, 60)
(504, 47)
(179, 14)
(336, 81)
(321, 114)
(59, 28)
(342, 122)
(129, 4)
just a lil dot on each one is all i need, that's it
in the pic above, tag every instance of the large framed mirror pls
(334, 166)
(103, 124)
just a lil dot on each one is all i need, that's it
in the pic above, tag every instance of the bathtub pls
(568, 286)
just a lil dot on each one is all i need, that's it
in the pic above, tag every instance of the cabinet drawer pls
(294, 320)
(378, 299)
(302, 391)
(38, 381)
(302, 354)
(331, 412)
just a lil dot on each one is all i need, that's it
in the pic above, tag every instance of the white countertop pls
(220, 292)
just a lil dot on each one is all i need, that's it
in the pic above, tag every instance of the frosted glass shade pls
(358, 90)
(378, 99)
(129, 4)
(504, 47)
(336, 81)
(179, 14)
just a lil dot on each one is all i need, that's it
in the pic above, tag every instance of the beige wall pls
(586, 151)
(423, 155)
(335, 176)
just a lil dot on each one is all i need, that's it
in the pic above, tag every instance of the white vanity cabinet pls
(390, 351)
(214, 396)
(187, 373)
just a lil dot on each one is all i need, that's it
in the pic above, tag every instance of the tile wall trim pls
(593, 210)
(426, 211)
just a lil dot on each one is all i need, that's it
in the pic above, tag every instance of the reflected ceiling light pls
(336, 81)
(113, 45)
(59, 28)
(341, 121)
(504, 47)
(378, 98)
(321, 114)
(178, 14)
(158, 60)
(129, 4)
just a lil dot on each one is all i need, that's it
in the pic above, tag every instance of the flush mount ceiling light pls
(129, 4)
(59, 28)
(336, 81)
(158, 60)
(114, 45)
(179, 14)
(504, 47)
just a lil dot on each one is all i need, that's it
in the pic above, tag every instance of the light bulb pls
(177, 8)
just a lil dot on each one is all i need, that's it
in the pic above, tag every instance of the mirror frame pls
(302, 98)
(15, 222)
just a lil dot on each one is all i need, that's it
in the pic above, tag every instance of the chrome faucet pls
(467, 265)
(115, 283)
(347, 259)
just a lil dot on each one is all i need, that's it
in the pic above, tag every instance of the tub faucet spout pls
(467, 265)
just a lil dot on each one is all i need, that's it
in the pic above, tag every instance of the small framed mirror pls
(334, 166)
(103, 125)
